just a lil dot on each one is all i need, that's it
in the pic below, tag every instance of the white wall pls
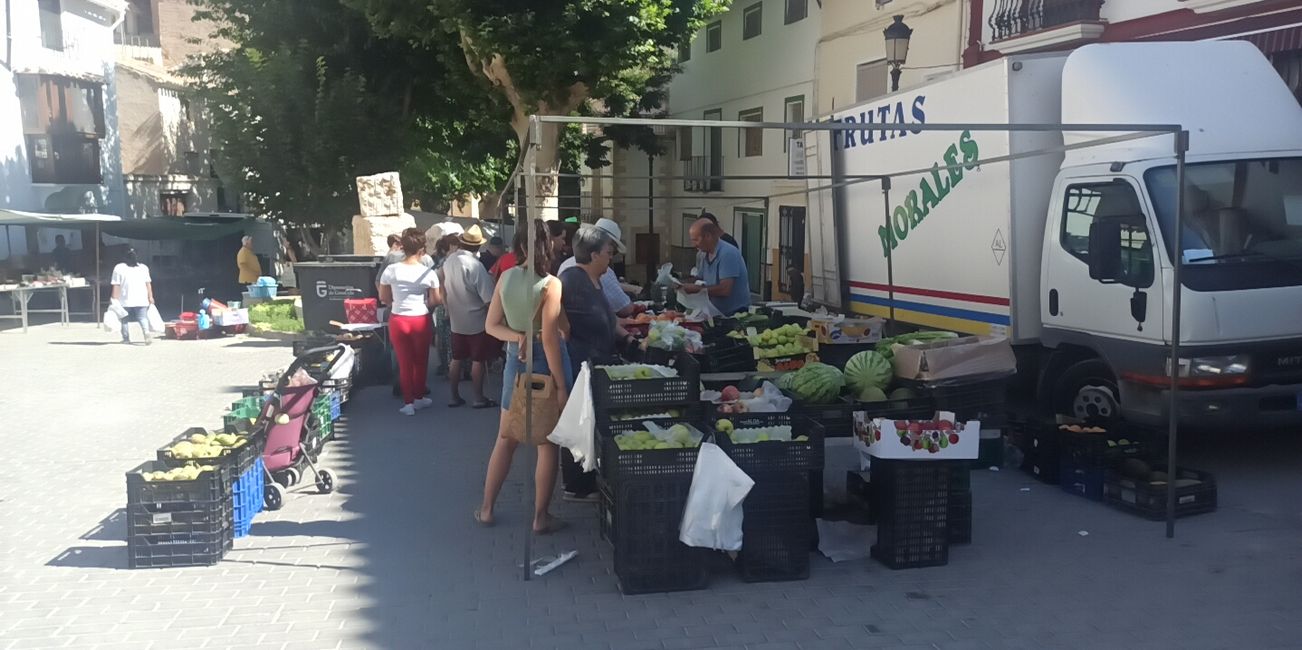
(1117, 11)
(88, 53)
(852, 35)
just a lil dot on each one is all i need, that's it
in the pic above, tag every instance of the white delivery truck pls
(1069, 253)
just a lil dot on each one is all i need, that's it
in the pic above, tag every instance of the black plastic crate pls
(981, 397)
(237, 459)
(1081, 480)
(960, 517)
(691, 412)
(1149, 501)
(1040, 455)
(837, 417)
(960, 478)
(913, 546)
(776, 456)
(621, 465)
(777, 529)
(728, 355)
(1096, 450)
(648, 556)
(194, 518)
(211, 485)
(912, 499)
(683, 389)
(922, 407)
(159, 551)
(605, 511)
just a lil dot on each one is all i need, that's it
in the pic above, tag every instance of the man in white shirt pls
(467, 289)
(134, 290)
(610, 286)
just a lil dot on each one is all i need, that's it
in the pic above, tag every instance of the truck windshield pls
(1235, 211)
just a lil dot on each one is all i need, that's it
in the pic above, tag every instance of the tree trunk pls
(490, 204)
(547, 165)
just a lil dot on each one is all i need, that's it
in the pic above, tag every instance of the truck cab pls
(1107, 276)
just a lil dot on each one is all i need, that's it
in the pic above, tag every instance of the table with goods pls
(887, 437)
(48, 281)
(187, 506)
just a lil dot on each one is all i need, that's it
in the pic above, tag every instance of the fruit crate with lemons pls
(784, 348)
(178, 516)
(241, 457)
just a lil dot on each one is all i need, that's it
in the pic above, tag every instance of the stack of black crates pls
(914, 502)
(178, 523)
(778, 525)
(643, 492)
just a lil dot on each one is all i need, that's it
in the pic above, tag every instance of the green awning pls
(173, 229)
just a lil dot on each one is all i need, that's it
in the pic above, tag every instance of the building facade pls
(1000, 27)
(769, 61)
(168, 162)
(59, 146)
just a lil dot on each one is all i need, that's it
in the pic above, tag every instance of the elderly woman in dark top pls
(595, 333)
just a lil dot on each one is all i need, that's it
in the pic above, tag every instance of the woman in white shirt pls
(133, 288)
(411, 289)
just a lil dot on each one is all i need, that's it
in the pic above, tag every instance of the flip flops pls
(479, 519)
(554, 525)
(486, 404)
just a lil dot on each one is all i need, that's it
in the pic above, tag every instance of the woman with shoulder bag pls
(528, 291)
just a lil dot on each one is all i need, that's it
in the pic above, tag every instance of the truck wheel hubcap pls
(1094, 402)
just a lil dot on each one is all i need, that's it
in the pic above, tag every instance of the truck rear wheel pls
(1088, 390)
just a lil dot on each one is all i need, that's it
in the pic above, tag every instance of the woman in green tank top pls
(514, 299)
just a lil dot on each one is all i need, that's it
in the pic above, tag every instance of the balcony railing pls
(135, 40)
(703, 174)
(1013, 18)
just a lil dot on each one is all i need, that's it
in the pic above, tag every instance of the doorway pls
(791, 247)
(752, 248)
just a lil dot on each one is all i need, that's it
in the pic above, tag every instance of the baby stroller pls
(285, 417)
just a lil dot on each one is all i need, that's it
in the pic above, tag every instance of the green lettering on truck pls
(910, 213)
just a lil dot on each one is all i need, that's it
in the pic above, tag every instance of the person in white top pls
(467, 292)
(619, 301)
(411, 289)
(134, 290)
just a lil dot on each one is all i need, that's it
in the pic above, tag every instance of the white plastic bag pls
(155, 319)
(712, 517)
(700, 303)
(111, 321)
(576, 430)
(118, 310)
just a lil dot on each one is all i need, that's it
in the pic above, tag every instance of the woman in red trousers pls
(411, 289)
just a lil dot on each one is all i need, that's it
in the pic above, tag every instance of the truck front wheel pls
(1088, 390)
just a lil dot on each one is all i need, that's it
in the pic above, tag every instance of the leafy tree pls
(557, 57)
(309, 97)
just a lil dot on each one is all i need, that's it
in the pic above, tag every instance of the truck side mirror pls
(1105, 250)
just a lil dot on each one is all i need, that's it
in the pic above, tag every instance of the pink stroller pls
(284, 417)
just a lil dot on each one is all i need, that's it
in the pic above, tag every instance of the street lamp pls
(897, 48)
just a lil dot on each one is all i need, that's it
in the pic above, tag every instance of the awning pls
(1278, 40)
(20, 218)
(172, 228)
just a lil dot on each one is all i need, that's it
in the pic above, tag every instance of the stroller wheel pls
(274, 497)
(292, 476)
(325, 481)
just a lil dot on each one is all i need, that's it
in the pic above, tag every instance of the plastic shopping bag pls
(713, 515)
(118, 310)
(111, 321)
(155, 319)
(698, 303)
(576, 430)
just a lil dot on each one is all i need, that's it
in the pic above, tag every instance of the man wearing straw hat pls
(467, 290)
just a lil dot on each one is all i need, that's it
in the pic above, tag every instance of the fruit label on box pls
(940, 438)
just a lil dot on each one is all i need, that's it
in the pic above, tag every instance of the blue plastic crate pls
(246, 497)
(263, 292)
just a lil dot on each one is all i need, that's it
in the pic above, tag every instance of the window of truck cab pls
(1242, 225)
(1085, 203)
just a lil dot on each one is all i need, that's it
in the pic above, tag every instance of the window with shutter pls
(870, 80)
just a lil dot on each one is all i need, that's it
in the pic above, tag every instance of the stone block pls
(371, 234)
(380, 195)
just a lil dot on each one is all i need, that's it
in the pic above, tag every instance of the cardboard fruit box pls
(953, 358)
(941, 438)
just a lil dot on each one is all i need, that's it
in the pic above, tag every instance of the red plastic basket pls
(362, 310)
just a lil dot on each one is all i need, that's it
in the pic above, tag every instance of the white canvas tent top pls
(55, 220)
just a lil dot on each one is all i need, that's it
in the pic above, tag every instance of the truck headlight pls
(1234, 365)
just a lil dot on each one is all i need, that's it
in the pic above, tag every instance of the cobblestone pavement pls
(392, 559)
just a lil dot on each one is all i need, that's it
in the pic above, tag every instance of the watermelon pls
(784, 381)
(872, 394)
(903, 393)
(817, 383)
(867, 369)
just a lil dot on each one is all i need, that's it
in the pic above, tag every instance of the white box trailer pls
(1069, 251)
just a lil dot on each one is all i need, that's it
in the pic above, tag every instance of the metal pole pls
(99, 318)
(533, 207)
(1173, 423)
(890, 250)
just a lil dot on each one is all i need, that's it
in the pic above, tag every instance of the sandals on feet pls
(554, 525)
(479, 519)
(486, 404)
(456, 403)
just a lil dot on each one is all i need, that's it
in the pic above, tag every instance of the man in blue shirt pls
(721, 267)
